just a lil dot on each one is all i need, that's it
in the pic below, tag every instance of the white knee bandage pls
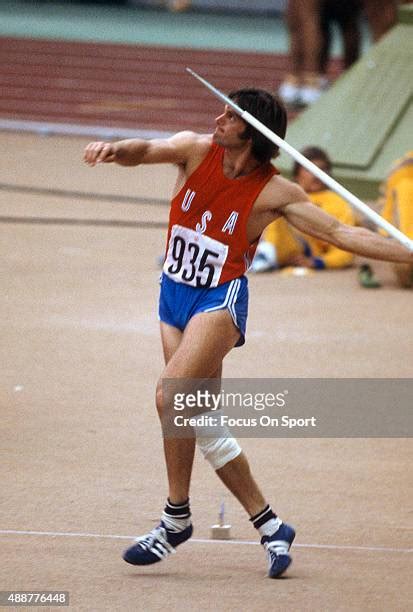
(218, 451)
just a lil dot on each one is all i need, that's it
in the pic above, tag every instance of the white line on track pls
(61, 534)
(67, 129)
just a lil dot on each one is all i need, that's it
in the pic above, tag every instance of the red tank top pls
(207, 241)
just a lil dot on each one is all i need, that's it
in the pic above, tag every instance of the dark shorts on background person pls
(178, 302)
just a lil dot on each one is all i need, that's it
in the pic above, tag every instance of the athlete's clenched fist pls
(99, 152)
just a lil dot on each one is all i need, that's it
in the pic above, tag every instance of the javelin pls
(306, 163)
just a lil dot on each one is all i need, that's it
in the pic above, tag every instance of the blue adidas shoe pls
(156, 545)
(277, 547)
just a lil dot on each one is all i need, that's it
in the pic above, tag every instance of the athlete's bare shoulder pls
(191, 145)
(192, 148)
(279, 192)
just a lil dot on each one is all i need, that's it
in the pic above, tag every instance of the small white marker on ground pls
(221, 531)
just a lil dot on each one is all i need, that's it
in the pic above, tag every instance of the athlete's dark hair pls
(270, 111)
(313, 153)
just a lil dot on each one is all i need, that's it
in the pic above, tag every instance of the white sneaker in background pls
(178, 5)
(312, 90)
(265, 258)
(289, 91)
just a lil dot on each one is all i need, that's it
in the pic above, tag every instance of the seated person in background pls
(281, 245)
(398, 208)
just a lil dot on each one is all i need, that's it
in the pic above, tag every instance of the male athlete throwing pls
(227, 192)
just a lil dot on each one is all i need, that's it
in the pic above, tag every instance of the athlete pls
(227, 192)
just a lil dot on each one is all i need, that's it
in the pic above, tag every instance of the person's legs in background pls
(347, 17)
(304, 84)
(381, 16)
(289, 90)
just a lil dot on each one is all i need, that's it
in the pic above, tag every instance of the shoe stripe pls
(278, 547)
(154, 546)
(159, 554)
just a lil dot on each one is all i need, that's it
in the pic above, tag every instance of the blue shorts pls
(178, 302)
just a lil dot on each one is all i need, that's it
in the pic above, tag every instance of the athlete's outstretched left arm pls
(312, 220)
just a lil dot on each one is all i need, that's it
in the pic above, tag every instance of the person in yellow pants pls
(398, 208)
(282, 246)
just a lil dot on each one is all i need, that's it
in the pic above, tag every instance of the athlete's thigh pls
(207, 338)
(171, 338)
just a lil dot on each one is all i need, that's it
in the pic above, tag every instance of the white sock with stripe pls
(176, 517)
(266, 522)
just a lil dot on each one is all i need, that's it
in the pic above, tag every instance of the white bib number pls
(193, 258)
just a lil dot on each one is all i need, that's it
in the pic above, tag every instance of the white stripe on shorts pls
(231, 306)
(230, 300)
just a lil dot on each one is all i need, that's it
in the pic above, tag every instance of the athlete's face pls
(229, 128)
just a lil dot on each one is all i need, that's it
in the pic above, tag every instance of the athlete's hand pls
(99, 152)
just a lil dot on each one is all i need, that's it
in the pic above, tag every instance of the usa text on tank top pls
(207, 241)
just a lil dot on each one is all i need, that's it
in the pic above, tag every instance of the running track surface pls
(83, 453)
(125, 86)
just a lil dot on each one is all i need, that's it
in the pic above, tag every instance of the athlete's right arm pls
(135, 151)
